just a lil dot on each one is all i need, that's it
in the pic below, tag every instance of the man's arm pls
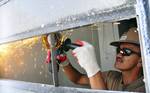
(74, 75)
(96, 81)
(87, 60)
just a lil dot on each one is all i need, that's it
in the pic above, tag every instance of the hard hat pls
(131, 36)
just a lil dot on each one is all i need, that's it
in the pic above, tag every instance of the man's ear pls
(139, 64)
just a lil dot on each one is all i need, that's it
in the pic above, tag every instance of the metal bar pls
(143, 11)
(12, 86)
(53, 61)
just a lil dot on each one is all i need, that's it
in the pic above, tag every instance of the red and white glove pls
(86, 58)
(62, 58)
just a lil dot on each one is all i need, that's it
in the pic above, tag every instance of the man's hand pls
(87, 59)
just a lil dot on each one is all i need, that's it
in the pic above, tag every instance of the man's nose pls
(120, 54)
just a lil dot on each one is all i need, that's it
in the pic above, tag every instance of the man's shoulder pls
(113, 79)
(113, 73)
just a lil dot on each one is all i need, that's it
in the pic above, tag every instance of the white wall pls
(107, 32)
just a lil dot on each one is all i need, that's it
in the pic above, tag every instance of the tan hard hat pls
(131, 36)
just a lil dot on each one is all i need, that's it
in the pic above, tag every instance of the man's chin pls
(117, 67)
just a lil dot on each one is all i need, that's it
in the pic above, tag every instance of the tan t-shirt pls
(113, 80)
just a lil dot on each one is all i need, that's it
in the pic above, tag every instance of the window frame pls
(140, 11)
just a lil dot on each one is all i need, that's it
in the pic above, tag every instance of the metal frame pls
(3, 2)
(143, 11)
(12, 86)
(118, 13)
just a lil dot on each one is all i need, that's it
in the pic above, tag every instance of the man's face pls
(128, 56)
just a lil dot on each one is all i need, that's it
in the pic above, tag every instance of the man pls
(128, 61)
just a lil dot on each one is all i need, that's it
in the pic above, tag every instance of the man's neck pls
(130, 76)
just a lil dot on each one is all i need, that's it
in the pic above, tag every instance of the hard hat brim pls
(117, 43)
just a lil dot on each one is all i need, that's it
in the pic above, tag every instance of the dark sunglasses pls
(126, 51)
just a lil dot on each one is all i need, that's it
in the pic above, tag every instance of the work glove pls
(86, 58)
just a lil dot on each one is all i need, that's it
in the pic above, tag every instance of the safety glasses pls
(126, 51)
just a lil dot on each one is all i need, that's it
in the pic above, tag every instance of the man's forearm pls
(75, 76)
(97, 81)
